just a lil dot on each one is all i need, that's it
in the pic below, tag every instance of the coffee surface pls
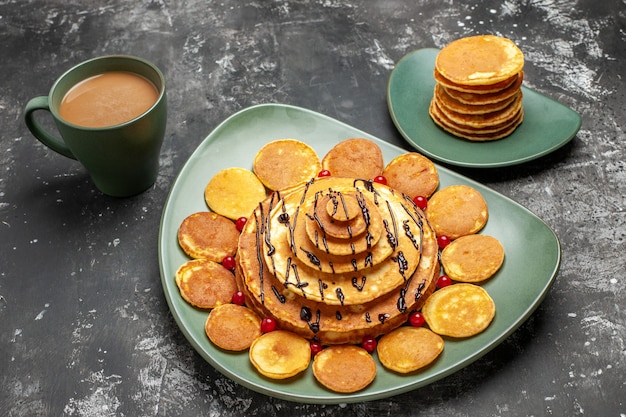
(108, 99)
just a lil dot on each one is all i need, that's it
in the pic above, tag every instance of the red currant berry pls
(369, 344)
(238, 298)
(324, 173)
(268, 324)
(240, 223)
(443, 241)
(421, 202)
(416, 319)
(228, 262)
(316, 347)
(443, 281)
(380, 179)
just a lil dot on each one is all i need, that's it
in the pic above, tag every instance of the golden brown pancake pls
(344, 368)
(479, 60)
(354, 158)
(280, 354)
(456, 211)
(412, 174)
(407, 349)
(486, 97)
(477, 134)
(285, 163)
(477, 89)
(234, 192)
(472, 258)
(459, 310)
(232, 327)
(208, 235)
(205, 284)
(479, 121)
(449, 103)
(342, 224)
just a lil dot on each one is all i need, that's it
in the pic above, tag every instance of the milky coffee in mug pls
(111, 115)
(108, 99)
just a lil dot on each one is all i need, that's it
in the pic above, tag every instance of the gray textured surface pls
(84, 326)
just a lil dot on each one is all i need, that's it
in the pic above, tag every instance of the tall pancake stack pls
(478, 93)
(337, 259)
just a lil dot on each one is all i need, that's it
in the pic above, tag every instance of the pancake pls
(234, 192)
(458, 126)
(344, 369)
(412, 174)
(449, 103)
(205, 284)
(232, 327)
(326, 276)
(477, 89)
(456, 211)
(208, 235)
(354, 158)
(313, 250)
(280, 354)
(407, 349)
(285, 163)
(476, 134)
(486, 120)
(479, 60)
(459, 310)
(294, 308)
(472, 258)
(472, 98)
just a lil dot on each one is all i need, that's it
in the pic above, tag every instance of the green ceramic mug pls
(122, 159)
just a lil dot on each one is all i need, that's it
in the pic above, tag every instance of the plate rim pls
(331, 397)
(468, 164)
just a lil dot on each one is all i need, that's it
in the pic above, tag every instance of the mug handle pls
(57, 145)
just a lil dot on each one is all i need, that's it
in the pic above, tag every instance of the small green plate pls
(547, 125)
(517, 289)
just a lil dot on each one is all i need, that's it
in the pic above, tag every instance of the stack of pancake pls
(478, 93)
(337, 259)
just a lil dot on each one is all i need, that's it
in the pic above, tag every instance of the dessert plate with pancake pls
(523, 124)
(516, 289)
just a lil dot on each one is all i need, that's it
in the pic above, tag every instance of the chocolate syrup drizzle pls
(306, 315)
(355, 283)
(382, 317)
(340, 295)
(292, 226)
(418, 220)
(317, 220)
(259, 257)
(323, 287)
(392, 235)
(281, 298)
(367, 184)
(312, 258)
